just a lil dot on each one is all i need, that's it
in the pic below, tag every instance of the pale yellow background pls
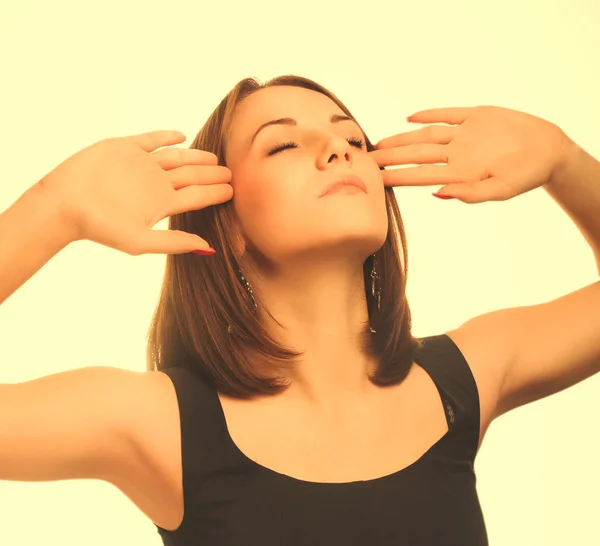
(74, 72)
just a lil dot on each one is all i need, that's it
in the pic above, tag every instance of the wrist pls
(51, 210)
(568, 158)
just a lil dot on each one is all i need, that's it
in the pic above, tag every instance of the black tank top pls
(230, 500)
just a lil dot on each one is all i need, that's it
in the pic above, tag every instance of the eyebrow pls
(335, 118)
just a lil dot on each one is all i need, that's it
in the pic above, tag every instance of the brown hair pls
(200, 296)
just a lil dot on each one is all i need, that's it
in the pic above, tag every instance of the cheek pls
(373, 170)
(266, 198)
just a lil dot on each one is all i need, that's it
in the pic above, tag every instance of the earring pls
(250, 292)
(249, 289)
(375, 290)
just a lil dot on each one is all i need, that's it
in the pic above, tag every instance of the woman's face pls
(277, 196)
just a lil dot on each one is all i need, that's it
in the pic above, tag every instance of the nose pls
(339, 151)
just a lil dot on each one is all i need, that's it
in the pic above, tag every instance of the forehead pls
(283, 101)
(304, 105)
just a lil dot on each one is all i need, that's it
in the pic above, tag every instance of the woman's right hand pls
(114, 191)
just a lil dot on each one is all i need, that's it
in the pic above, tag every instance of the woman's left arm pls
(543, 349)
(495, 154)
(546, 348)
(575, 186)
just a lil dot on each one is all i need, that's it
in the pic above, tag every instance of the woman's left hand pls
(492, 153)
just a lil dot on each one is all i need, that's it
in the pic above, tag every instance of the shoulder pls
(155, 417)
(483, 359)
(151, 473)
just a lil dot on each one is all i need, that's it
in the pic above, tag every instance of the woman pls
(286, 400)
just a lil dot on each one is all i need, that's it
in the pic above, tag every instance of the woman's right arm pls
(32, 230)
(85, 423)
(92, 422)
(68, 425)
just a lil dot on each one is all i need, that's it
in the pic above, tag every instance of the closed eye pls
(358, 142)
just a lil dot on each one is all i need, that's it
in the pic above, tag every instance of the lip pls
(347, 180)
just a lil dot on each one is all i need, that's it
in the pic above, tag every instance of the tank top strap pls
(204, 441)
(441, 358)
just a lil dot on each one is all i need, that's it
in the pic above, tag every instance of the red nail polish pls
(442, 196)
(204, 252)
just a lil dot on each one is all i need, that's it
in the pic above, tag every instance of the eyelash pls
(358, 142)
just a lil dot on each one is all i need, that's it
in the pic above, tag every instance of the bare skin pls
(307, 252)
(305, 255)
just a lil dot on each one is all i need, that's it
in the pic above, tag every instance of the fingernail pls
(442, 196)
(204, 252)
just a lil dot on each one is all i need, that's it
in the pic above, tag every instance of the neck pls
(321, 309)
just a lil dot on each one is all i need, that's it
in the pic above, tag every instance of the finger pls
(172, 158)
(155, 139)
(453, 116)
(429, 175)
(480, 191)
(168, 241)
(411, 154)
(194, 175)
(196, 197)
(434, 134)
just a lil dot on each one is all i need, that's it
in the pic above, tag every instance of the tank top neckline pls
(355, 483)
